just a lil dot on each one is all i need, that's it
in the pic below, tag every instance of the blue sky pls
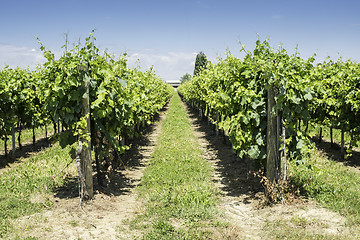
(168, 34)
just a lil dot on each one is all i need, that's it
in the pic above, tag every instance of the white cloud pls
(18, 56)
(169, 66)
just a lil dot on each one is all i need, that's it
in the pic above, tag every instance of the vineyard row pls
(122, 100)
(234, 94)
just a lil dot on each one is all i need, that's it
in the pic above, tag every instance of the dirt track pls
(242, 195)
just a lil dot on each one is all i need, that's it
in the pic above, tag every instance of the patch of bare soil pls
(241, 201)
(107, 216)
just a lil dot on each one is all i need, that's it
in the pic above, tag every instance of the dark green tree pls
(185, 78)
(200, 63)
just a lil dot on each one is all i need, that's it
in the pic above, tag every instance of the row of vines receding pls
(233, 93)
(123, 100)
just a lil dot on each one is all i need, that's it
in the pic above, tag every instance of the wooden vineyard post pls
(217, 124)
(13, 138)
(83, 156)
(33, 134)
(5, 145)
(272, 150)
(342, 144)
(320, 135)
(331, 137)
(19, 136)
(284, 169)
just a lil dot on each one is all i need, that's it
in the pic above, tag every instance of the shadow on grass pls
(236, 174)
(119, 184)
(26, 151)
(333, 152)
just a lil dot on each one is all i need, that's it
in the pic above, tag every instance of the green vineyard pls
(122, 101)
(146, 164)
(233, 94)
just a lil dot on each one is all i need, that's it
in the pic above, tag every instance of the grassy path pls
(25, 189)
(177, 189)
(182, 202)
(26, 137)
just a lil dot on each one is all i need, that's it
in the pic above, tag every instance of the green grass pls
(25, 188)
(176, 187)
(332, 184)
(329, 182)
(314, 130)
(26, 136)
(301, 228)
